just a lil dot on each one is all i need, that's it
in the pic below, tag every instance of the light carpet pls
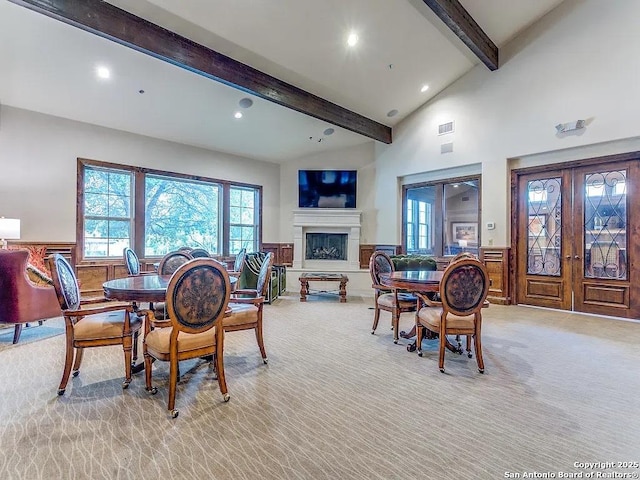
(335, 402)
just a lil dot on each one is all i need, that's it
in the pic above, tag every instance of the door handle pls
(568, 257)
(577, 257)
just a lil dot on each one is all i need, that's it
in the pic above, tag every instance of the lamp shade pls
(9, 228)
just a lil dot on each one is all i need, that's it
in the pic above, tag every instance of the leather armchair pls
(20, 300)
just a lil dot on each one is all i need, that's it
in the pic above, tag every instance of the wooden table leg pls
(343, 291)
(304, 289)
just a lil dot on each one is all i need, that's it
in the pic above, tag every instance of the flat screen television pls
(327, 188)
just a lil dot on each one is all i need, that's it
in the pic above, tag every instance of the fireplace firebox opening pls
(326, 246)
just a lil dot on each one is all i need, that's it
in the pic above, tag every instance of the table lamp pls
(9, 230)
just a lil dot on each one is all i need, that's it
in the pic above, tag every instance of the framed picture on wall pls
(467, 232)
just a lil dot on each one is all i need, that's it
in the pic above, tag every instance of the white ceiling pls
(48, 66)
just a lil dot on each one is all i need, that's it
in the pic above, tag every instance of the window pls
(243, 223)
(180, 212)
(107, 212)
(156, 212)
(441, 218)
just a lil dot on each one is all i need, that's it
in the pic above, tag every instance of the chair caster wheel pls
(419, 354)
(61, 392)
(395, 341)
(469, 355)
(152, 390)
(442, 370)
(372, 332)
(226, 397)
(125, 385)
(76, 373)
(174, 413)
(481, 370)
(265, 360)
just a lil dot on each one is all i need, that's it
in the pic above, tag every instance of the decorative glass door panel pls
(544, 229)
(605, 225)
(576, 238)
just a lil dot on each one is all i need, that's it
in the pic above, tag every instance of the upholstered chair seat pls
(104, 326)
(159, 341)
(241, 314)
(432, 317)
(406, 301)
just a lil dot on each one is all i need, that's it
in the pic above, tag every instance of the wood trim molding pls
(103, 19)
(456, 17)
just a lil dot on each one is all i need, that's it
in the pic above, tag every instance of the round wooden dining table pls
(142, 288)
(139, 288)
(413, 281)
(421, 281)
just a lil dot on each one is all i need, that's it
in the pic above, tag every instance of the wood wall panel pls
(282, 252)
(91, 277)
(367, 250)
(497, 261)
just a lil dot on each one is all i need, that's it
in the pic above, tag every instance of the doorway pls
(575, 239)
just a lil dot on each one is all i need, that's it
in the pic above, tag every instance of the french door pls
(576, 240)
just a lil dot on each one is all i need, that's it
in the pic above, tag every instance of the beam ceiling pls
(108, 21)
(456, 17)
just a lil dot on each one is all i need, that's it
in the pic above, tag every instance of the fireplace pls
(326, 246)
(326, 239)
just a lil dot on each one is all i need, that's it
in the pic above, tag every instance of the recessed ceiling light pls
(392, 113)
(245, 102)
(424, 88)
(103, 72)
(329, 131)
(352, 39)
(238, 114)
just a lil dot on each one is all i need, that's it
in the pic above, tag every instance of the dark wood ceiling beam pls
(456, 17)
(110, 22)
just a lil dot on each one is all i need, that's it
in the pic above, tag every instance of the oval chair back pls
(199, 253)
(131, 261)
(172, 260)
(265, 274)
(197, 295)
(65, 282)
(380, 263)
(239, 262)
(464, 287)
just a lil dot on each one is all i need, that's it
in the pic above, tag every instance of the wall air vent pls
(446, 147)
(445, 128)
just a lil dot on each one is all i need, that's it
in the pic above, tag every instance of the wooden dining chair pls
(463, 292)
(247, 304)
(388, 299)
(91, 324)
(197, 299)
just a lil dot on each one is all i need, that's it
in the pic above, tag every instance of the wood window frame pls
(138, 208)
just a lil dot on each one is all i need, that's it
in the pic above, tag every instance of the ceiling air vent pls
(445, 128)
(446, 147)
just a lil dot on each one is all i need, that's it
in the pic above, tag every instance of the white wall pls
(580, 62)
(358, 158)
(38, 168)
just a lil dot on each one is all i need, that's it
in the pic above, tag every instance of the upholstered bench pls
(413, 262)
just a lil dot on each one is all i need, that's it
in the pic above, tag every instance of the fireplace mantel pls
(327, 220)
